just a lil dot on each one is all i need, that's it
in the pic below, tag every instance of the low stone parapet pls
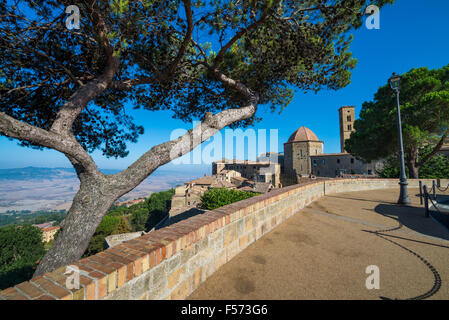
(169, 263)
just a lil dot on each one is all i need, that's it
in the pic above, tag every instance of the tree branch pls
(244, 90)
(163, 153)
(78, 101)
(14, 128)
(129, 83)
(187, 37)
(236, 37)
(434, 151)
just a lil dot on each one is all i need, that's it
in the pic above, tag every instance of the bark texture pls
(90, 204)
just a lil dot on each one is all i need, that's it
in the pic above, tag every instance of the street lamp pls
(394, 82)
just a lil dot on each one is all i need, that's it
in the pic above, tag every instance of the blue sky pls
(413, 33)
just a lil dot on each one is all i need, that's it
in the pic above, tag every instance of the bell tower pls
(346, 116)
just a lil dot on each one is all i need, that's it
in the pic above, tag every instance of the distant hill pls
(36, 188)
(38, 173)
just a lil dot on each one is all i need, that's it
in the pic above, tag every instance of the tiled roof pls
(50, 229)
(303, 134)
(207, 180)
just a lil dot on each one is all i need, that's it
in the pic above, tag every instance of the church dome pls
(303, 134)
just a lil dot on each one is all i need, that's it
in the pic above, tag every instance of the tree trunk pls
(413, 170)
(89, 206)
(412, 163)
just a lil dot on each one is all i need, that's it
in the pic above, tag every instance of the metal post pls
(420, 192)
(438, 183)
(426, 202)
(403, 196)
(433, 190)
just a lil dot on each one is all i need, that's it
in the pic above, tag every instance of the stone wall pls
(332, 164)
(171, 262)
(297, 156)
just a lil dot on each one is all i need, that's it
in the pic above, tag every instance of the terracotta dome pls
(303, 134)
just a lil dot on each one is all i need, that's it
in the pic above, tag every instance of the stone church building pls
(303, 153)
(302, 144)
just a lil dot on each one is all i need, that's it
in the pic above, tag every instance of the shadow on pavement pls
(414, 219)
(358, 199)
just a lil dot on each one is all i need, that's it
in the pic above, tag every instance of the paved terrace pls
(322, 252)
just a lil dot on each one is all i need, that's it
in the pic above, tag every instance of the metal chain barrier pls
(426, 194)
(440, 188)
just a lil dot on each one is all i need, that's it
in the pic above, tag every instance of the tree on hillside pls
(123, 226)
(424, 99)
(138, 219)
(20, 249)
(158, 207)
(217, 61)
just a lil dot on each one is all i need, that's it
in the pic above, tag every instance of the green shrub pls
(218, 197)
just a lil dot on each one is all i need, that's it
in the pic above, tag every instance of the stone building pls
(189, 195)
(297, 151)
(268, 172)
(303, 153)
(340, 164)
(49, 233)
(228, 175)
(346, 115)
(276, 157)
(48, 230)
(130, 203)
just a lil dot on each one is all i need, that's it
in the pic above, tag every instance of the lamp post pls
(394, 82)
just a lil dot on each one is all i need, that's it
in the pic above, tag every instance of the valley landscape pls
(34, 188)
